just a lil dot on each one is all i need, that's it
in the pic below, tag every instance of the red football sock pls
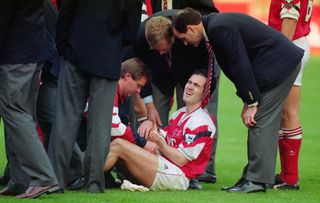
(291, 144)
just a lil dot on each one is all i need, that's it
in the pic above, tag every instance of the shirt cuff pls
(148, 99)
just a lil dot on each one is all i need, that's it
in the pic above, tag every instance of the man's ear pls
(127, 76)
(191, 28)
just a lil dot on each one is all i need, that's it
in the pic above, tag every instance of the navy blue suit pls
(253, 56)
(263, 64)
(94, 44)
(19, 29)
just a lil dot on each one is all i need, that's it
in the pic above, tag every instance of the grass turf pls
(230, 158)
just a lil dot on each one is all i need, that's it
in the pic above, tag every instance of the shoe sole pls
(254, 191)
(47, 191)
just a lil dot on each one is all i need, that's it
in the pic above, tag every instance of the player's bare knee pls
(119, 143)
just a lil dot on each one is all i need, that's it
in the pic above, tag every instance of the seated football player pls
(134, 75)
(184, 146)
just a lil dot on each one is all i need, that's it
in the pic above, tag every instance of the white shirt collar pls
(205, 35)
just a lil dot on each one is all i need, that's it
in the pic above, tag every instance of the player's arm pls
(173, 154)
(289, 15)
(288, 27)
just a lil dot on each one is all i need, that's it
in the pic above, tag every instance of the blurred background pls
(260, 9)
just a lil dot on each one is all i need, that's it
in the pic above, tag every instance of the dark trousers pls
(45, 111)
(27, 156)
(74, 88)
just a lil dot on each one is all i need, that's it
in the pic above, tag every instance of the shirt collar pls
(205, 35)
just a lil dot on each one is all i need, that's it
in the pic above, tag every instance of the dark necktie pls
(207, 86)
(165, 4)
(168, 60)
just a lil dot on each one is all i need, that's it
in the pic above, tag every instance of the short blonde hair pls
(157, 29)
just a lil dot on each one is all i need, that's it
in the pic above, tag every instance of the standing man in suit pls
(90, 36)
(24, 46)
(262, 79)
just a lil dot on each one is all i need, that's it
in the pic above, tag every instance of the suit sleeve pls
(141, 50)
(65, 17)
(6, 8)
(133, 10)
(232, 56)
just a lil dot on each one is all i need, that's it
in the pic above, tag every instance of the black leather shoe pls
(13, 189)
(286, 186)
(207, 178)
(194, 184)
(77, 184)
(240, 181)
(281, 185)
(110, 181)
(10, 192)
(4, 180)
(248, 187)
(36, 191)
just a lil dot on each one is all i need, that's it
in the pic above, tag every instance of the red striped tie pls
(148, 7)
(165, 4)
(207, 86)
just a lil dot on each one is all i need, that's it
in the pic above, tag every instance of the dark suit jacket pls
(23, 37)
(54, 62)
(203, 6)
(185, 59)
(91, 33)
(255, 57)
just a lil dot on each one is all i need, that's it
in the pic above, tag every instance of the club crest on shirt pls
(189, 138)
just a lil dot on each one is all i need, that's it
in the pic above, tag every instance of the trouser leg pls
(102, 93)
(162, 103)
(17, 108)
(262, 139)
(72, 95)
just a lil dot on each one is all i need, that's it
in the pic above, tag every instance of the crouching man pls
(184, 145)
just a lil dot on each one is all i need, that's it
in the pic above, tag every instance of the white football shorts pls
(169, 177)
(302, 42)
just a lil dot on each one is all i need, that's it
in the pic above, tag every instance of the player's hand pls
(153, 114)
(248, 114)
(145, 129)
(151, 147)
(156, 136)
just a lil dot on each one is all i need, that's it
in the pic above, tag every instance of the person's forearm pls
(288, 27)
(172, 154)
